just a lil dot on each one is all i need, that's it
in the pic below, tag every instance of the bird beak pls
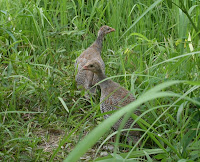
(85, 68)
(112, 30)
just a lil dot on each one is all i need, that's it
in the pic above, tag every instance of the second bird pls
(87, 79)
(113, 97)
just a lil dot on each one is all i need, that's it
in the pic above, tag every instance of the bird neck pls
(99, 41)
(105, 83)
(101, 76)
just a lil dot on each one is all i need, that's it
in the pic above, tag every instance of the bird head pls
(105, 30)
(93, 66)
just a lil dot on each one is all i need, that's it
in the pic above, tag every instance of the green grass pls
(155, 53)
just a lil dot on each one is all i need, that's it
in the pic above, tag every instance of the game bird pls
(87, 79)
(113, 97)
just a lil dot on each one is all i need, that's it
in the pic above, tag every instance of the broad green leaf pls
(180, 110)
(64, 104)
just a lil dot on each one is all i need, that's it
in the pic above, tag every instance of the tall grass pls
(42, 114)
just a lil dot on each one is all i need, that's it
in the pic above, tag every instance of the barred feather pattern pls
(87, 79)
(113, 97)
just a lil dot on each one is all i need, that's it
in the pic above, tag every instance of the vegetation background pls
(154, 52)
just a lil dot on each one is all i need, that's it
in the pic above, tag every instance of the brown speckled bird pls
(113, 97)
(86, 79)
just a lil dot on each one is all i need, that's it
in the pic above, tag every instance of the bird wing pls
(85, 77)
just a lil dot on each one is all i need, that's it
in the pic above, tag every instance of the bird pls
(87, 79)
(113, 97)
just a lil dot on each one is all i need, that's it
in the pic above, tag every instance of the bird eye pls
(91, 66)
